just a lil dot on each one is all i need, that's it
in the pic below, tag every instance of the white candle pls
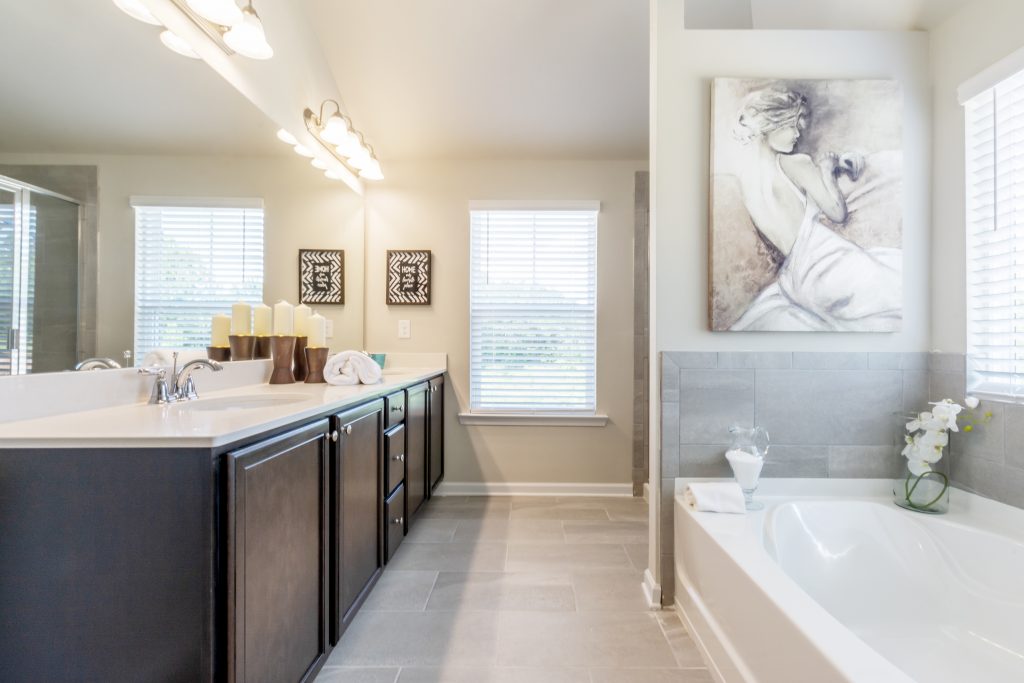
(317, 331)
(284, 323)
(301, 317)
(241, 318)
(221, 329)
(262, 317)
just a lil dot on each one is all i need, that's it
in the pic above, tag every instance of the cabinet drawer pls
(394, 408)
(394, 520)
(394, 452)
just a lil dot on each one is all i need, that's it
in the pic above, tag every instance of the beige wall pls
(425, 206)
(302, 210)
(970, 41)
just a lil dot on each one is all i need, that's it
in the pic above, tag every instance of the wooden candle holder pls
(221, 354)
(242, 346)
(316, 359)
(299, 366)
(282, 349)
(262, 348)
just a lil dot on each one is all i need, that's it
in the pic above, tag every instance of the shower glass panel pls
(39, 274)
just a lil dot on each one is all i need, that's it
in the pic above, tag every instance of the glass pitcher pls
(748, 448)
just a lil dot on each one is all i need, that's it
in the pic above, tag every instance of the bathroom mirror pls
(87, 128)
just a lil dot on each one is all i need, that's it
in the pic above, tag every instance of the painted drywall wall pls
(685, 68)
(302, 209)
(425, 206)
(971, 40)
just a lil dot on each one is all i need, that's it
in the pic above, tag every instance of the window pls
(533, 309)
(193, 259)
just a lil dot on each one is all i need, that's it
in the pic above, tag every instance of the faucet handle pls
(160, 394)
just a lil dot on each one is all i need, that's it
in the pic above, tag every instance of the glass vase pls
(927, 493)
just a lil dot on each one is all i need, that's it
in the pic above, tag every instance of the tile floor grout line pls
(426, 602)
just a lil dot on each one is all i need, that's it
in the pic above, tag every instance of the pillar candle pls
(317, 331)
(262, 317)
(284, 323)
(301, 317)
(241, 318)
(221, 329)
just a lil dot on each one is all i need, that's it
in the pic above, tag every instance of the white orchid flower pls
(918, 467)
(930, 445)
(947, 411)
(910, 450)
(972, 402)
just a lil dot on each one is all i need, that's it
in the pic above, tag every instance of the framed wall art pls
(321, 276)
(408, 277)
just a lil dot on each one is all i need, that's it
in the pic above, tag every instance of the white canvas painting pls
(806, 208)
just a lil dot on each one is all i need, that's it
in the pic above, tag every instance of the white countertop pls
(181, 425)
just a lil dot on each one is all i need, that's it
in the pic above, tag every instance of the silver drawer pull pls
(398, 520)
(334, 436)
(347, 429)
(400, 457)
(396, 409)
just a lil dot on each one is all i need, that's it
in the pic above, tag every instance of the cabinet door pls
(436, 431)
(277, 557)
(415, 448)
(358, 481)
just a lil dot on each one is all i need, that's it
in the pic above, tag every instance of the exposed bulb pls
(136, 10)
(361, 159)
(172, 41)
(372, 171)
(286, 137)
(247, 37)
(303, 151)
(223, 12)
(335, 130)
(350, 145)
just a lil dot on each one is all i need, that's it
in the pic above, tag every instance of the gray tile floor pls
(517, 590)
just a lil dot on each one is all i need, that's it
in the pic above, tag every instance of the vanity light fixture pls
(172, 41)
(247, 37)
(286, 137)
(337, 135)
(136, 10)
(222, 12)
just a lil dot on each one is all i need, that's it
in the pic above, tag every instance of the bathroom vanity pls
(232, 538)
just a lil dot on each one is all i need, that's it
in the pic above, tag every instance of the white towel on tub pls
(715, 496)
(351, 367)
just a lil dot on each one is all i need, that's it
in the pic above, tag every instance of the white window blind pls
(533, 310)
(193, 259)
(995, 239)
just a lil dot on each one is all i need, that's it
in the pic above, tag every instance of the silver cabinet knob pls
(334, 436)
(399, 458)
(398, 520)
(348, 429)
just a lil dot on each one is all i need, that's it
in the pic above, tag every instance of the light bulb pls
(303, 151)
(350, 145)
(223, 12)
(318, 164)
(136, 10)
(335, 131)
(176, 43)
(361, 159)
(334, 174)
(372, 171)
(286, 137)
(247, 37)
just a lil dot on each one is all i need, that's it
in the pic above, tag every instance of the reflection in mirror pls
(102, 134)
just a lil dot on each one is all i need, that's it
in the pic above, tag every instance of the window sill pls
(532, 420)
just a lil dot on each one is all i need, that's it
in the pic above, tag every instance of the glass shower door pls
(9, 277)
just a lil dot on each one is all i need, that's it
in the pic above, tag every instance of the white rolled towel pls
(351, 367)
(165, 357)
(715, 496)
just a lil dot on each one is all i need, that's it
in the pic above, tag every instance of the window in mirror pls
(193, 259)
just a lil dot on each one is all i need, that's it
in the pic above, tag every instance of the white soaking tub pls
(833, 582)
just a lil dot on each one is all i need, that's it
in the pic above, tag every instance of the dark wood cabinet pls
(358, 477)
(415, 448)
(277, 554)
(394, 521)
(436, 431)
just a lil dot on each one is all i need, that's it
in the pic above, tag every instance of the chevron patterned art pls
(408, 277)
(321, 276)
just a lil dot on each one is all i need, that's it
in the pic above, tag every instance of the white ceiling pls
(80, 76)
(494, 79)
(891, 15)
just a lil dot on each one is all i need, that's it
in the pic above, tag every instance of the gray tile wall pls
(641, 332)
(828, 415)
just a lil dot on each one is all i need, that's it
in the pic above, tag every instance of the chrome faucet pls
(183, 387)
(98, 364)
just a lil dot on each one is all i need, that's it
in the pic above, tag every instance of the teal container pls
(379, 359)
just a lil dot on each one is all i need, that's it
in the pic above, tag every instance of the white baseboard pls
(468, 488)
(652, 591)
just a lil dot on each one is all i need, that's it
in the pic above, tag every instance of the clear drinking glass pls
(747, 450)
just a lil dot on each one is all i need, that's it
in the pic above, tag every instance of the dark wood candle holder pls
(221, 354)
(316, 359)
(299, 367)
(262, 348)
(282, 349)
(242, 346)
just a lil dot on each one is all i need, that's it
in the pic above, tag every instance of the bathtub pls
(833, 582)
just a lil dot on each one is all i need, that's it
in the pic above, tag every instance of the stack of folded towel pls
(351, 367)
(715, 496)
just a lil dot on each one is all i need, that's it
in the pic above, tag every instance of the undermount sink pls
(242, 402)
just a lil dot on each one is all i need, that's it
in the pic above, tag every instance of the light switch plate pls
(404, 329)
(330, 328)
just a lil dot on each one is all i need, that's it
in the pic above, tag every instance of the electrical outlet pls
(330, 328)
(404, 329)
